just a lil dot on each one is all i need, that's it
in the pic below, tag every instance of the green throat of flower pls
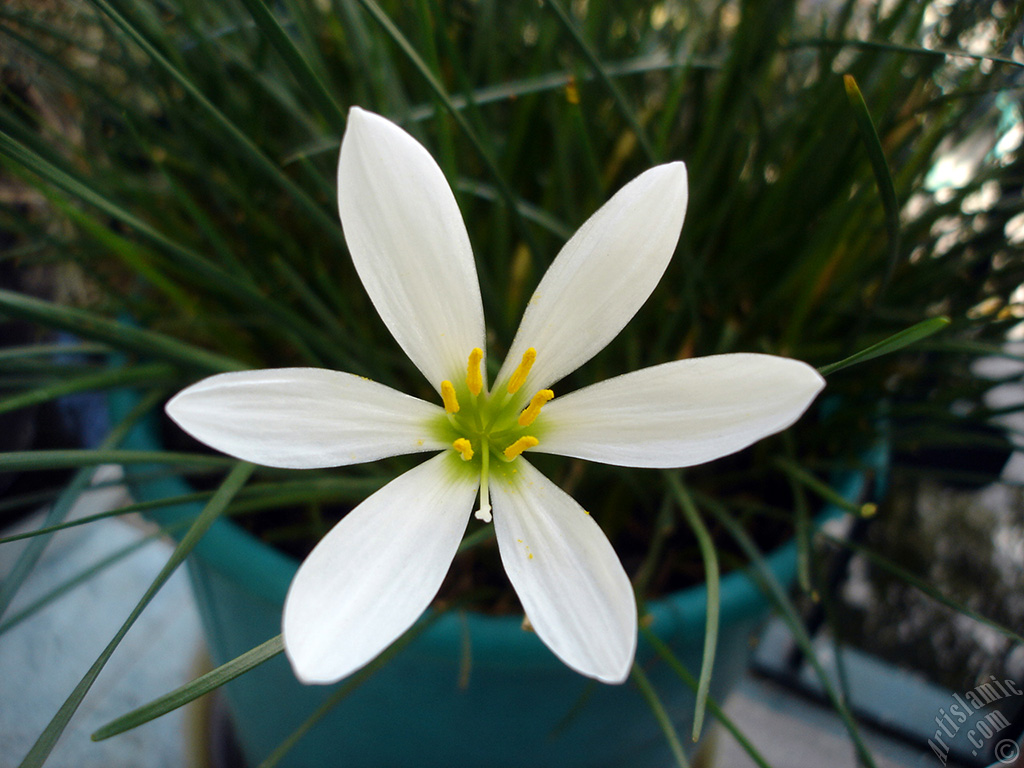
(491, 426)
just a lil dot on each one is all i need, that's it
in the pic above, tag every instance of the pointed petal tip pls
(609, 671)
(375, 573)
(809, 377)
(409, 244)
(359, 119)
(671, 174)
(616, 674)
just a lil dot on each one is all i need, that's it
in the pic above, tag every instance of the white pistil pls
(484, 513)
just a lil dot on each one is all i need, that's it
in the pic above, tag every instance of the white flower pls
(377, 570)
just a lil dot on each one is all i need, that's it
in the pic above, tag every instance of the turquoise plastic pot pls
(519, 706)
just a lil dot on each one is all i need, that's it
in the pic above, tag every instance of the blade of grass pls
(30, 555)
(602, 74)
(883, 178)
(897, 341)
(51, 350)
(254, 497)
(119, 335)
(711, 572)
(716, 711)
(664, 526)
(296, 63)
(347, 687)
(890, 47)
(778, 597)
(922, 585)
(528, 211)
(231, 485)
(62, 179)
(25, 461)
(242, 141)
(823, 490)
(127, 509)
(515, 89)
(441, 92)
(215, 278)
(137, 259)
(658, 710)
(76, 580)
(153, 373)
(192, 690)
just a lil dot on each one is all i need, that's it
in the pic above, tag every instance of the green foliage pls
(177, 158)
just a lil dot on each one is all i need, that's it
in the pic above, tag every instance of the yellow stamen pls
(451, 402)
(464, 447)
(520, 374)
(520, 445)
(474, 380)
(532, 411)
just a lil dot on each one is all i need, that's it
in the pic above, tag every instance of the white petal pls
(409, 245)
(568, 578)
(376, 571)
(681, 413)
(302, 418)
(601, 277)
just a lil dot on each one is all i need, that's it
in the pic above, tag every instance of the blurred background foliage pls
(169, 195)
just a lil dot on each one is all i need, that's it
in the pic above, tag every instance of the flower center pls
(487, 423)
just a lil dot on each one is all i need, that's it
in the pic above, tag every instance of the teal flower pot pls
(470, 690)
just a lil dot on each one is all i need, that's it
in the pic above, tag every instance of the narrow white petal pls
(568, 578)
(681, 413)
(301, 418)
(409, 245)
(376, 571)
(601, 277)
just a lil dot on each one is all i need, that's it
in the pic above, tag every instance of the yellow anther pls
(451, 402)
(464, 447)
(474, 380)
(520, 445)
(520, 374)
(532, 411)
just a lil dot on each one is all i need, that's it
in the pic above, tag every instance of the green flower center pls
(491, 425)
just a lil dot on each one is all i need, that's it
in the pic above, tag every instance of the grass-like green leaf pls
(76, 580)
(604, 77)
(88, 325)
(350, 684)
(46, 741)
(241, 141)
(212, 275)
(296, 62)
(717, 712)
(192, 690)
(438, 89)
(823, 490)
(152, 373)
(255, 497)
(891, 47)
(896, 342)
(712, 581)
(661, 715)
(921, 584)
(780, 600)
(883, 176)
(24, 461)
(11, 354)
(60, 509)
